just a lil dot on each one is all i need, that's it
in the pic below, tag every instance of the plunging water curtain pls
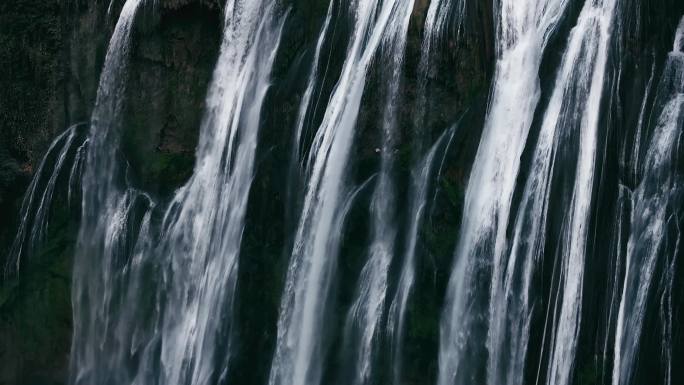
(358, 192)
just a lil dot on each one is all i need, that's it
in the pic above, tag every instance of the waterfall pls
(436, 21)
(566, 265)
(436, 25)
(301, 124)
(572, 112)
(586, 79)
(637, 147)
(362, 327)
(102, 217)
(523, 30)
(304, 118)
(204, 224)
(421, 177)
(75, 174)
(35, 207)
(182, 276)
(297, 358)
(654, 211)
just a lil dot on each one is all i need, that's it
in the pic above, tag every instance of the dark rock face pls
(50, 52)
(31, 101)
(31, 43)
(171, 65)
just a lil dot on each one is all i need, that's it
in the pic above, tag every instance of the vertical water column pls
(421, 176)
(655, 203)
(101, 214)
(202, 228)
(585, 76)
(523, 29)
(305, 116)
(434, 28)
(35, 207)
(362, 328)
(301, 124)
(298, 357)
(572, 112)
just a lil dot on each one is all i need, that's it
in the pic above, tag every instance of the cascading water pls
(436, 21)
(654, 213)
(523, 30)
(571, 113)
(35, 207)
(180, 329)
(303, 123)
(102, 216)
(207, 215)
(636, 148)
(363, 324)
(584, 71)
(420, 186)
(297, 358)
(156, 294)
